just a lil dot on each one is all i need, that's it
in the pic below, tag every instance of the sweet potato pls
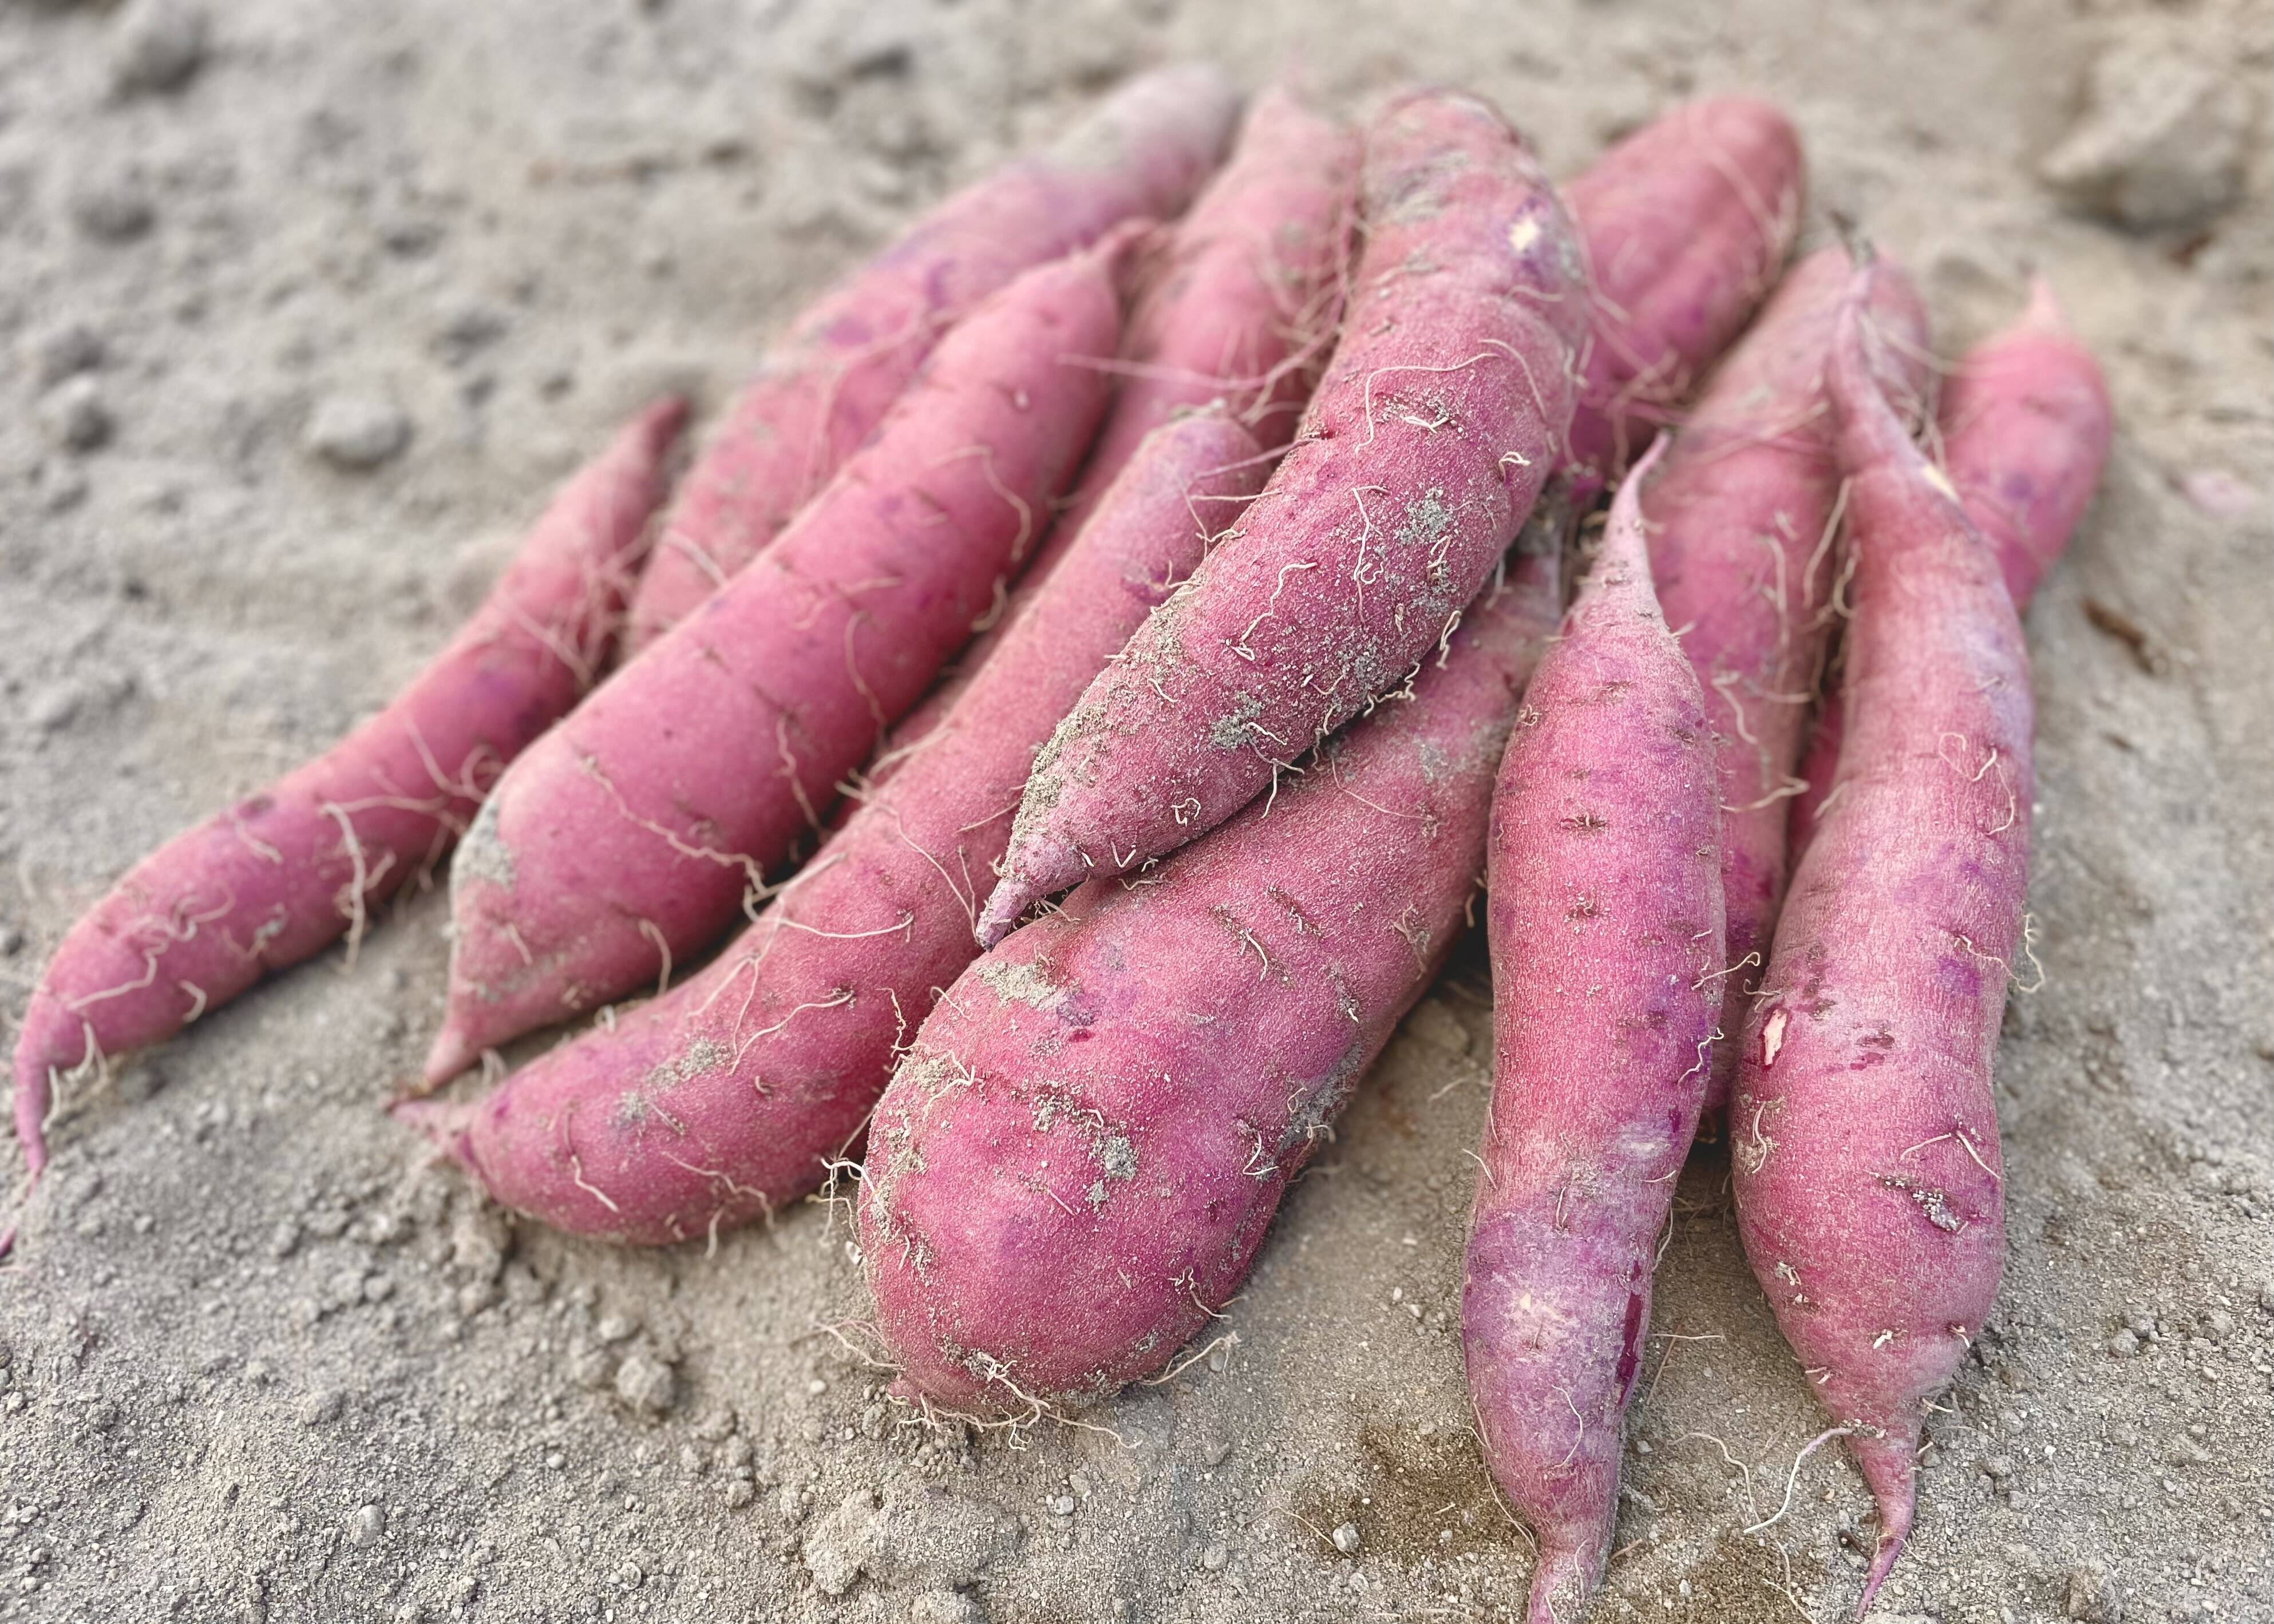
(2025, 426)
(1605, 921)
(1076, 1161)
(732, 1094)
(1686, 222)
(622, 845)
(1445, 407)
(824, 386)
(1741, 516)
(1863, 1132)
(1238, 304)
(286, 872)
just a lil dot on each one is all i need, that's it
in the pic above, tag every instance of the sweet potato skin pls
(730, 1094)
(1687, 222)
(827, 384)
(1083, 1150)
(1863, 1132)
(1740, 513)
(1445, 407)
(623, 843)
(286, 872)
(2025, 425)
(1605, 921)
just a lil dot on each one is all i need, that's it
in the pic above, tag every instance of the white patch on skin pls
(1522, 234)
(1772, 1039)
(482, 854)
(1019, 983)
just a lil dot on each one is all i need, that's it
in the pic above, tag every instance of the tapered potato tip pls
(1560, 1585)
(442, 1123)
(1890, 1466)
(2043, 313)
(455, 1050)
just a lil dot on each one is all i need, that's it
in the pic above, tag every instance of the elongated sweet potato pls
(1741, 516)
(732, 1094)
(2025, 426)
(1078, 1158)
(1445, 407)
(1239, 306)
(1864, 1134)
(624, 842)
(825, 385)
(287, 871)
(1687, 222)
(1605, 921)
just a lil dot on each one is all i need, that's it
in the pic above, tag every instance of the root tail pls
(443, 1123)
(1890, 1466)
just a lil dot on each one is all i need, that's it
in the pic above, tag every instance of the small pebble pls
(646, 1384)
(318, 1409)
(1346, 1539)
(112, 212)
(356, 432)
(1214, 1557)
(615, 1328)
(2094, 1596)
(160, 47)
(75, 414)
(63, 351)
(740, 1492)
(2125, 1345)
(368, 1523)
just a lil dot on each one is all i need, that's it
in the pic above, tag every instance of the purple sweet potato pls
(286, 872)
(1239, 306)
(1864, 1134)
(2025, 426)
(624, 842)
(1445, 407)
(1687, 222)
(828, 382)
(1605, 921)
(1076, 1161)
(732, 1094)
(1740, 515)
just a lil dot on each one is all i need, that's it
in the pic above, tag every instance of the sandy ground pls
(261, 1361)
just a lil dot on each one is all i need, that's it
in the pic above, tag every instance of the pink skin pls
(732, 1094)
(2025, 426)
(277, 878)
(1083, 1149)
(1239, 306)
(824, 386)
(624, 842)
(1740, 517)
(1687, 222)
(1606, 941)
(1864, 1134)
(1444, 408)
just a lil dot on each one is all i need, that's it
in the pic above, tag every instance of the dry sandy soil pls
(260, 1360)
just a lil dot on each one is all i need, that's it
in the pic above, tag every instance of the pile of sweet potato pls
(1074, 695)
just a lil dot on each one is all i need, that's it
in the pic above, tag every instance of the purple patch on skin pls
(1631, 1343)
